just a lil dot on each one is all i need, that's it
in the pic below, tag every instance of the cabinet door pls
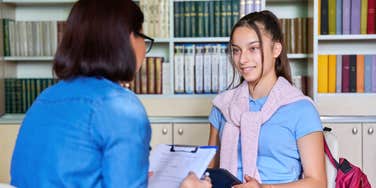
(349, 137)
(369, 152)
(8, 136)
(161, 134)
(191, 134)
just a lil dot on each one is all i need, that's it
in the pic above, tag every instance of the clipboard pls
(170, 164)
(221, 178)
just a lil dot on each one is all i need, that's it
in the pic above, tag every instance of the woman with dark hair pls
(87, 130)
(269, 132)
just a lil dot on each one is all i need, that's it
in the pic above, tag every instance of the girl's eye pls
(253, 48)
(235, 51)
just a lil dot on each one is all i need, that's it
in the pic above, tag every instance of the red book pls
(371, 17)
(345, 73)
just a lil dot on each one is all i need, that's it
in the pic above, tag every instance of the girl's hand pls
(192, 181)
(249, 183)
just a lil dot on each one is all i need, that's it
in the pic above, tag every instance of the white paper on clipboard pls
(171, 166)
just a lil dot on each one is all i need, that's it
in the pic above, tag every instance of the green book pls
(211, 25)
(228, 17)
(181, 6)
(194, 18)
(235, 11)
(224, 22)
(24, 97)
(206, 20)
(6, 37)
(187, 19)
(177, 22)
(217, 18)
(200, 18)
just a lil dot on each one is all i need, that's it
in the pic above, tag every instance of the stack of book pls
(205, 18)
(20, 93)
(24, 38)
(347, 73)
(295, 32)
(150, 78)
(347, 17)
(202, 68)
(156, 18)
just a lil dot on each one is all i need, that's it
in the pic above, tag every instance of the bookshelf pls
(344, 104)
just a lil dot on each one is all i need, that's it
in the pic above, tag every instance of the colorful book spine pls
(332, 16)
(345, 73)
(368, 73)
(322, 76)
(352, 73)
(346, 13)
(360, 73)
(158, 75)
(339, 74)
(371, 17)
(355, 17)
(324, 17)
(363, 16)
(332, 60)
(338, 17)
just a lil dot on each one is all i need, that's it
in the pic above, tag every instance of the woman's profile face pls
(247, 54)
(139, 47)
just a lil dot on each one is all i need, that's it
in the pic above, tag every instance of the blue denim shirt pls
(86, 132)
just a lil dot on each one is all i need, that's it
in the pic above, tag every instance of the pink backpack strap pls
(330, 156)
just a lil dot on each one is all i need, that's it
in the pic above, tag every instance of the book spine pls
(322, 74)
(189, 55)
(200, 19)
(199, 69)
(373, 73)
(144, 78)
(324, 17)
(217, 17)
(187, 18)
(371, 17)
(368, 73)
(332, 60)
(363, 16)
(215, 69)
(339, 74)
(177, 17)
(332, 16)
(235, 12)
(355, 17)
(150, 75)
(194, 18)
(360, 73)
(158, 75)
(338, 17)
(179, 69)
(212, 19)
(183, 19)
(207, 68)
(352, 73)
(346, 10)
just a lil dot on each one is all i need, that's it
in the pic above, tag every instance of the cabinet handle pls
(370, 131)
(180, 131)
(164, 131)
(355, 131)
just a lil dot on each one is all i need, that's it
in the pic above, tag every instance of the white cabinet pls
(8, 135)
(191, 134)
(161, 134)
(369, 152)
(357, 143)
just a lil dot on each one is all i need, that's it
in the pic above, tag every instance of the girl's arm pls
(214, 141)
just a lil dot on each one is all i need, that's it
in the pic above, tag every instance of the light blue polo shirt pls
(278, 159)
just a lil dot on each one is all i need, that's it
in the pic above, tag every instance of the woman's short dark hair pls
(96, 40)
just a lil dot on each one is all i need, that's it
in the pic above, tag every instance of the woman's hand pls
(249, 183)
(192, 181)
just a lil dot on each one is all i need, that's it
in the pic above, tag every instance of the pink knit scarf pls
(234, 105)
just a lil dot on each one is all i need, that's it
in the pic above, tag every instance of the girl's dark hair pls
(96, 40)
(272, 27)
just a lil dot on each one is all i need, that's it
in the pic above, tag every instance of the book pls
(324, 17)
(355, 17)
(373, 82)
(158, 75)
(346, 16)
(339, 74)
(179, 69)
(345, 73)
(199, 68)
(338, 17)
(207, 68)
(352, 73)
(368, 73)
(322, 76)
(360, 73)
(189, 64)
(150, 75)
(332, 68)
(332, 16)
(371, 17)
(215, 68)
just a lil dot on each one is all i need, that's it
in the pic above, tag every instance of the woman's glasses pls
(148, 41)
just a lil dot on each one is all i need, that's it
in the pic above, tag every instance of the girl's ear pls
(277, 49)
